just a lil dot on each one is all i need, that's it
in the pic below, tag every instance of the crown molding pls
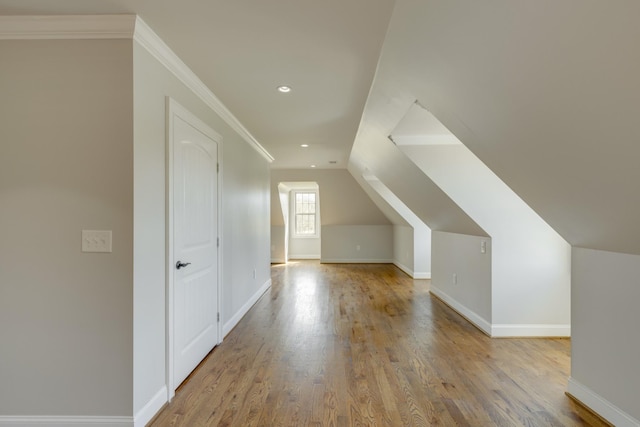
(89, 27)
(64, 27)
(150, 41)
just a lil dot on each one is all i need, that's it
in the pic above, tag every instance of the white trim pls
(294, 213)
(600, 405)
(410, 272)
(459, 308)
(152, 407)
(174, 109)
(401, 266)
(231, 323)
(64, 27)
(354, 261)
(530, 330)
(278, 261)
(153, 44)
(303, 256)
(90, 27)
(65, 421)
(502, 330)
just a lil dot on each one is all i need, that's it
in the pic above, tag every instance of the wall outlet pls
(454, 279)
(96, 241)
(357, 247)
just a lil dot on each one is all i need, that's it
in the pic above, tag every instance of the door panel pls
(195, 285)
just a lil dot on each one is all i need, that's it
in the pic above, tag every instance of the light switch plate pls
(96, 240)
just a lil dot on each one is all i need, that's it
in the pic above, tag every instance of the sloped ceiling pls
(244, 49)
(545, 93)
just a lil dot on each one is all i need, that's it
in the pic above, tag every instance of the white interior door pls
(195, 248)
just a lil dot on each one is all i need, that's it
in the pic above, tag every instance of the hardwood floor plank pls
(365, 345)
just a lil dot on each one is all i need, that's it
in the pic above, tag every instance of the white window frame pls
(295, 233)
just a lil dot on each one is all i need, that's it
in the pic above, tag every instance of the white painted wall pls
(531, 263)
(422, 252)
(604, 346)
(418, 244)
(403, 249)
(245, 234)
(304, 247)
(278, 244)
(357, 243)
(412, 250)
(66, 164)
(470, 293)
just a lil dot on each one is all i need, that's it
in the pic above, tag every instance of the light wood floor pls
(364, 345)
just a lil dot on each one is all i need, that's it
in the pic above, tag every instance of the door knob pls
(181, 264)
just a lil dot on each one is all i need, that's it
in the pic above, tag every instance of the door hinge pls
(218, 242)
(218, 167)
(218, 316)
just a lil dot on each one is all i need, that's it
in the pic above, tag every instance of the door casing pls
(174, 109)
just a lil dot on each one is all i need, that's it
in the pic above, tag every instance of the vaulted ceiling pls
(545, 93)
(326, 51)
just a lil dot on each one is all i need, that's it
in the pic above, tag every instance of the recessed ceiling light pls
(304, 145)
(313, 166)
(284, 89)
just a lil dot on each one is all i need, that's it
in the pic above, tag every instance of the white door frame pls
(174, 109)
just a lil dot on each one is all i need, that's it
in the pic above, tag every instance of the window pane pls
(305, 224)
(305, 213)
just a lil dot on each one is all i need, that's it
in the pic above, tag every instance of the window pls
(305, 213)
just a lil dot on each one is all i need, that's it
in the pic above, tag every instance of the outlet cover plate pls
(96, 241)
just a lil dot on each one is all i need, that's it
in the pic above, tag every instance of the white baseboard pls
(355, 261)
(278, 261)
(514, 331)
(62, 421)
(404, 268)
(410, 272)
(465, 312)
(245, 308)
(152, 407)
(600, 405)
(502, 330)
(294, 257)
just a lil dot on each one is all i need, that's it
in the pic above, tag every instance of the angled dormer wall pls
(531, 263)
(545, 94)
(411, 236)
(454, 233)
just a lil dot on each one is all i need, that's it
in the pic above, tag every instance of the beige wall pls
(357, 243)
(66, 164)
(83, 334)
